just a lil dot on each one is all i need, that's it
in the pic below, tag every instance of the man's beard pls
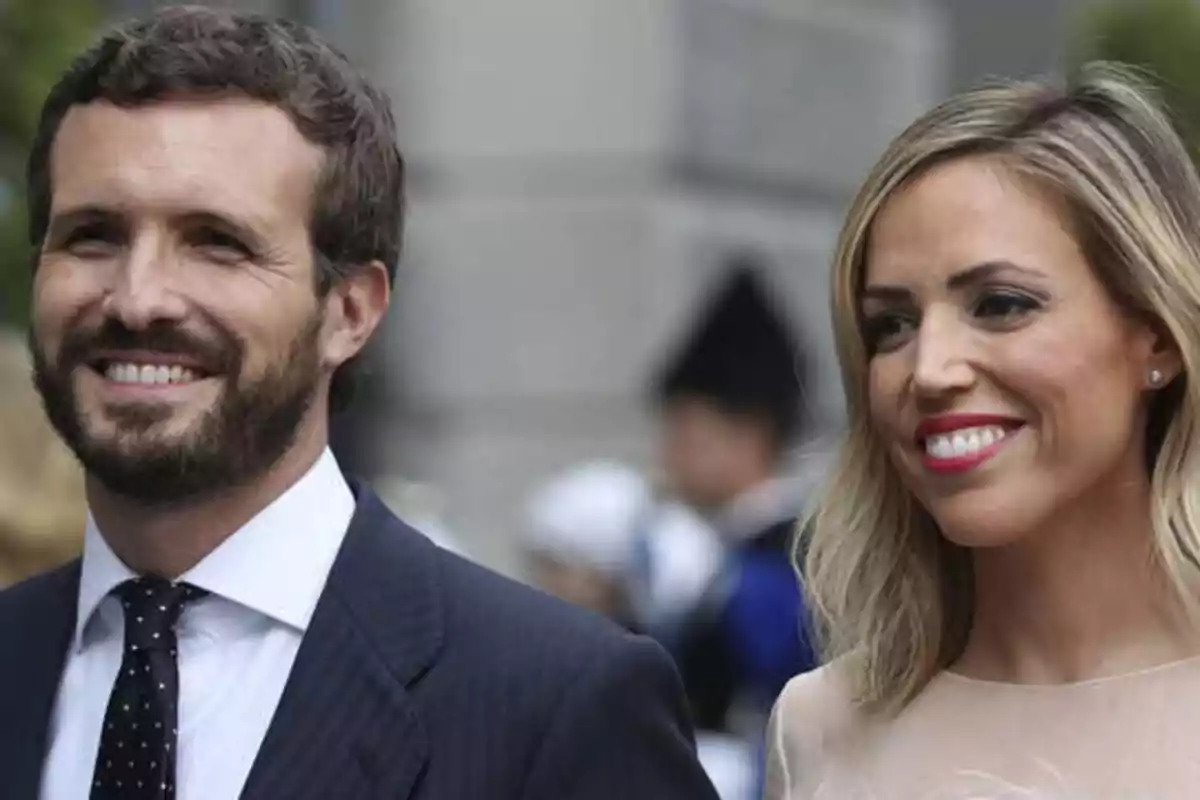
(250, 427)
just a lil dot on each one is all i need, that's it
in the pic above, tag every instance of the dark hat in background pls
(741, 354)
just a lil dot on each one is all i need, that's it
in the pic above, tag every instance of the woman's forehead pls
(960, 215)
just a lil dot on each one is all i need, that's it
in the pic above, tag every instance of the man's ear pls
(354, 307)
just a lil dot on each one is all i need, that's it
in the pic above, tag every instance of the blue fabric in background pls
(765, 623)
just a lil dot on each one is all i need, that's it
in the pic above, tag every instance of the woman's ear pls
(1163, 361)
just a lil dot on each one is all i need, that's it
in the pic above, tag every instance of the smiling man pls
(217, 201)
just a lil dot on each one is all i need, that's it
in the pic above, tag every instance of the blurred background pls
(581, 170)
(586, 175)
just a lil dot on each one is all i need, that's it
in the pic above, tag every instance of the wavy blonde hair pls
(892, 597)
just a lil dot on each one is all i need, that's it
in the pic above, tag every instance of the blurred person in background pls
(677, 554)
(579, 537)
(217, 202)
(1006, 559)
(597, 536)
(731, 407)
(42, 506)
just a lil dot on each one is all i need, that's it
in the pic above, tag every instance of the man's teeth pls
(964, 442)
(148, 374)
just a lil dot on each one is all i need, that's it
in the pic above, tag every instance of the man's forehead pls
(238, 113)
(218, 151)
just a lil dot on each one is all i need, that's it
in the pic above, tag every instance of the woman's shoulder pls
(817, 708)
(815, 727)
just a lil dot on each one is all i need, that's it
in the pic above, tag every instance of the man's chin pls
(152, 470)
(110, 418)
(140, 433)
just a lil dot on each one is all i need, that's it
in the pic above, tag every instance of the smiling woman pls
(1004, 565)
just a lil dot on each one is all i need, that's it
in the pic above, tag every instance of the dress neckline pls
(1103, 680)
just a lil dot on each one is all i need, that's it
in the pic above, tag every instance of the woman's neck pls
(1083, 598)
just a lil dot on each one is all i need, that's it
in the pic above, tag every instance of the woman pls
(1005, 560)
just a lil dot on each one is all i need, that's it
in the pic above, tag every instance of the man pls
(731, 402)
(216, 201)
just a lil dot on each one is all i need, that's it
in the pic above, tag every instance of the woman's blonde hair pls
(892, 597)
(42, 507)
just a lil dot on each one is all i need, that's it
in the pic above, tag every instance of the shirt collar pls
(260, 566)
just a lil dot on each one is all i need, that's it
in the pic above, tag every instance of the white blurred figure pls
(731, 764)
(677, 555)
(596, 535)
(579, 536)
(597, 530)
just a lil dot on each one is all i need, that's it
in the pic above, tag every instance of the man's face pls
(179, 343)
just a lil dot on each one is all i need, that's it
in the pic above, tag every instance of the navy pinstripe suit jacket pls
(421, 677)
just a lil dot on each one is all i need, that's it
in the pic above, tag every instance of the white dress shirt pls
(236, 646)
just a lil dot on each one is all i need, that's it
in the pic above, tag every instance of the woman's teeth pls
(148, 374)
(964, 442)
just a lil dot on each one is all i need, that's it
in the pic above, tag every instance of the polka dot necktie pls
(136, 760)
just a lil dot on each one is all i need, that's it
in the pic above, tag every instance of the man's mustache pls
(85, 346)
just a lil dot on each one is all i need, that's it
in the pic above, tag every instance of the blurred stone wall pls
(579, 169)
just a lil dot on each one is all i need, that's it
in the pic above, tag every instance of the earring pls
(1155, 377)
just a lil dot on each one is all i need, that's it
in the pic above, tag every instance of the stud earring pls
(1156, 377)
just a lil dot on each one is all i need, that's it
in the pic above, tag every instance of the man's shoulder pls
(478, 606)
(484, 623)
(540, 682)
(491, 609)
(39, 589)
(26, 601)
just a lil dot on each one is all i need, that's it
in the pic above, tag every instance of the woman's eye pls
(1004, 306)
(885, 332)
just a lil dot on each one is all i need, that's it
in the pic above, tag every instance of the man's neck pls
(170, 540)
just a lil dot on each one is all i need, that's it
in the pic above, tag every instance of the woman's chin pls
(982, 524)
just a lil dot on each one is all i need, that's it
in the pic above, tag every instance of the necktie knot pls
(152, 607)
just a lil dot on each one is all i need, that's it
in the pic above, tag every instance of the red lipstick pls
(945, 461)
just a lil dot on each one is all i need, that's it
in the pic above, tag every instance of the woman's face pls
(1005, 382)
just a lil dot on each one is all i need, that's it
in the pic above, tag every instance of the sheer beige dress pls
(1131, 737)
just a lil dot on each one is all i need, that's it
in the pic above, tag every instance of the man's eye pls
(221, 244)
(93, 239)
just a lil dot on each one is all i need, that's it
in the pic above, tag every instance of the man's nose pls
(143, 290)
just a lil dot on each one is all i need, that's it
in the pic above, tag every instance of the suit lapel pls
(31, 663)
(346, 725)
